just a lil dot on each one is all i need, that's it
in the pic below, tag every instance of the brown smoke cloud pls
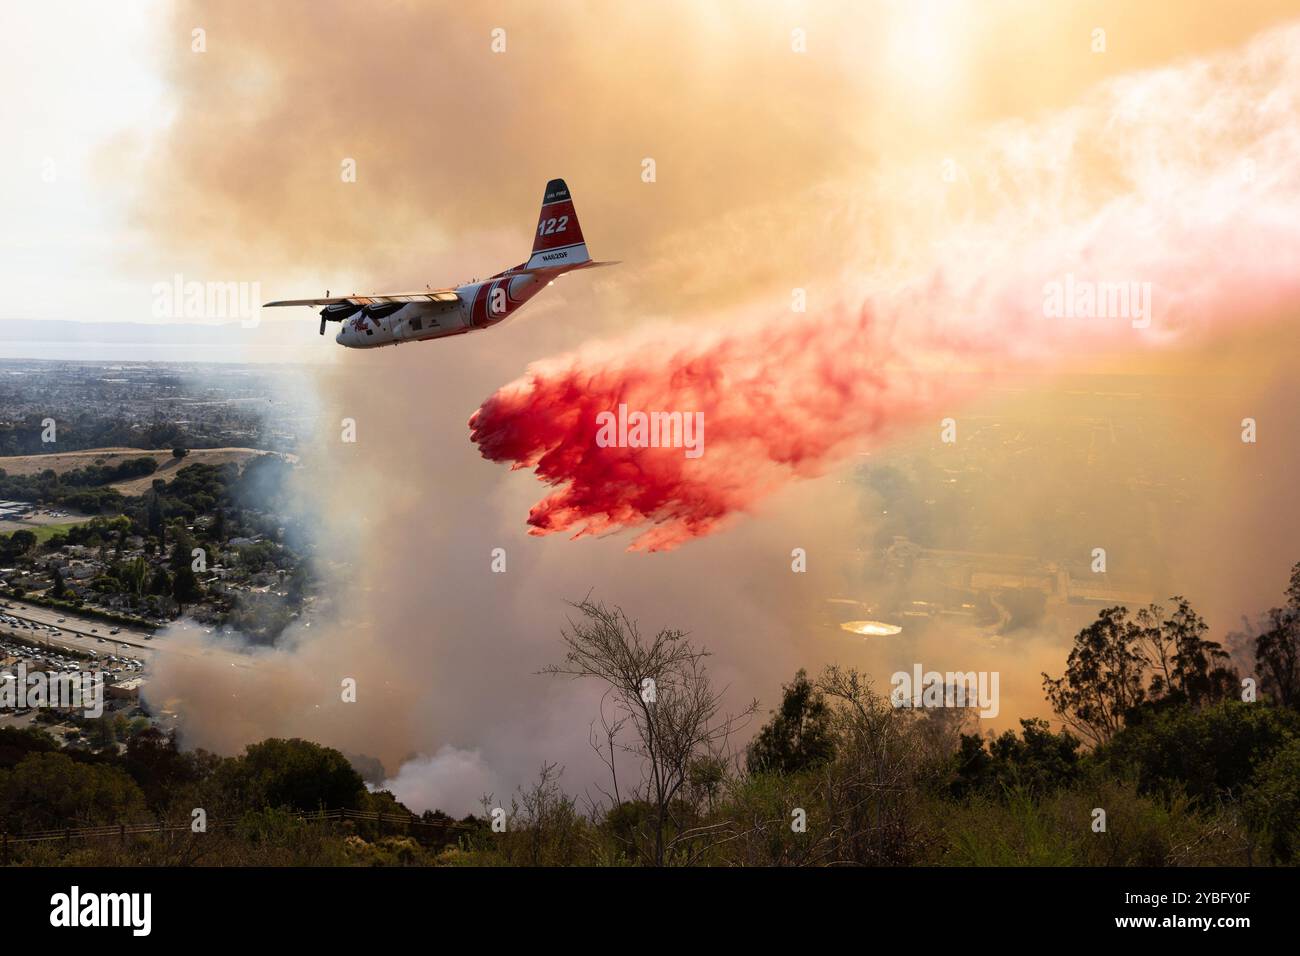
(773, 172)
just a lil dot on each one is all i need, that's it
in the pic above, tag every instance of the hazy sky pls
(81, 78)
(133, 158)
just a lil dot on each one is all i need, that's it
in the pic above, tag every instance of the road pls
(77, 632)
(84, 634)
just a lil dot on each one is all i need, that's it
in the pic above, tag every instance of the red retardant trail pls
(1182, 185)
(778, 403)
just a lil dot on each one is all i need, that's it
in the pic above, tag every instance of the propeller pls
(337, 312)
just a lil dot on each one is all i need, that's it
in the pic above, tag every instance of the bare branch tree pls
(663, 698)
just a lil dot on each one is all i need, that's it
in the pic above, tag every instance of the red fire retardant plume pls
(780, 401)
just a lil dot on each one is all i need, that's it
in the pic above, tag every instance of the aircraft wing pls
(440, 295)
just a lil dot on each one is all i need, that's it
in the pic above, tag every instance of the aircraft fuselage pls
(476, 306)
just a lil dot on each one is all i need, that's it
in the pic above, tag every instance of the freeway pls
(85, 634)
(77, 632)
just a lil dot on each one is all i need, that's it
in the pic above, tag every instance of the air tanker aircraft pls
(370, 321)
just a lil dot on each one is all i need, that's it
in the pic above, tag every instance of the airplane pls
(371, 321)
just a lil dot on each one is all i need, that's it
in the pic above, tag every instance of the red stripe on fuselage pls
(478, 311)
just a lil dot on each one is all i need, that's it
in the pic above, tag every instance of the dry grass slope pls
(167, 464)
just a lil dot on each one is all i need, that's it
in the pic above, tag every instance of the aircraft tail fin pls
(558, 240)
